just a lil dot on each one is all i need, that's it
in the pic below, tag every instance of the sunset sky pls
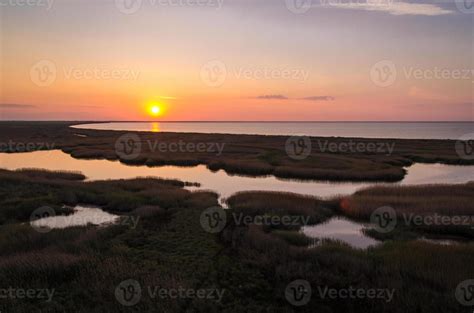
(260, 60)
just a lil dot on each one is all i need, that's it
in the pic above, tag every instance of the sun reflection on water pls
(155, 127)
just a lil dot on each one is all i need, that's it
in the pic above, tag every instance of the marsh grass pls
(169, 248)
(243, 154)
(423, 275)
(421, 201)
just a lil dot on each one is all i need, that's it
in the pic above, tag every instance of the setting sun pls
(155, 110)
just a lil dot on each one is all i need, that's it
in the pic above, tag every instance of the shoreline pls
(248, 155)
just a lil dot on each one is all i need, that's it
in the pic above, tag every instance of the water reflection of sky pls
(341, 229)
(82, 216)
(220, 181)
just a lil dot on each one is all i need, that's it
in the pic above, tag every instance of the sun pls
(155, 110)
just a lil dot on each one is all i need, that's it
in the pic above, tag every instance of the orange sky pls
(244, 61)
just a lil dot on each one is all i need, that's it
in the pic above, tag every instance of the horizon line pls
(237, 121)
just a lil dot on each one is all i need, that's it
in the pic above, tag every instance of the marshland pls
(286, 156)
(261, 247)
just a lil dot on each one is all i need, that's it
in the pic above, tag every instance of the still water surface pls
(221, 182)
(82, 216)
(337, 228)
(402, 130)
(341, 229)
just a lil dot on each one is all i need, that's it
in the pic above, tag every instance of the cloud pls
(16, 106)
(273, 97)
(387, 6)
(283, 97)
(319, 98)
(89, 106)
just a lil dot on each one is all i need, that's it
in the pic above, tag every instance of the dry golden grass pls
(243, 154)
(422, 200)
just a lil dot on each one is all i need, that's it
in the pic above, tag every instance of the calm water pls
(82, 216)
(350, 232)
(405, 130)
(221, 182)
(337, 228)
(341, 229)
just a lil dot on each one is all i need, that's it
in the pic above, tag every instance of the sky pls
(237, 60)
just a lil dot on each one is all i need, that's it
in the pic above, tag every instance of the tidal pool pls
(225, 185)
(82, 216)
(341, 229)
(221, 182)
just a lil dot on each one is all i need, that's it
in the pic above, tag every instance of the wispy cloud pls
(89, 106)
(319, 98)
(387, 6)
(16, 106)
(283, 97)
(273, 97)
